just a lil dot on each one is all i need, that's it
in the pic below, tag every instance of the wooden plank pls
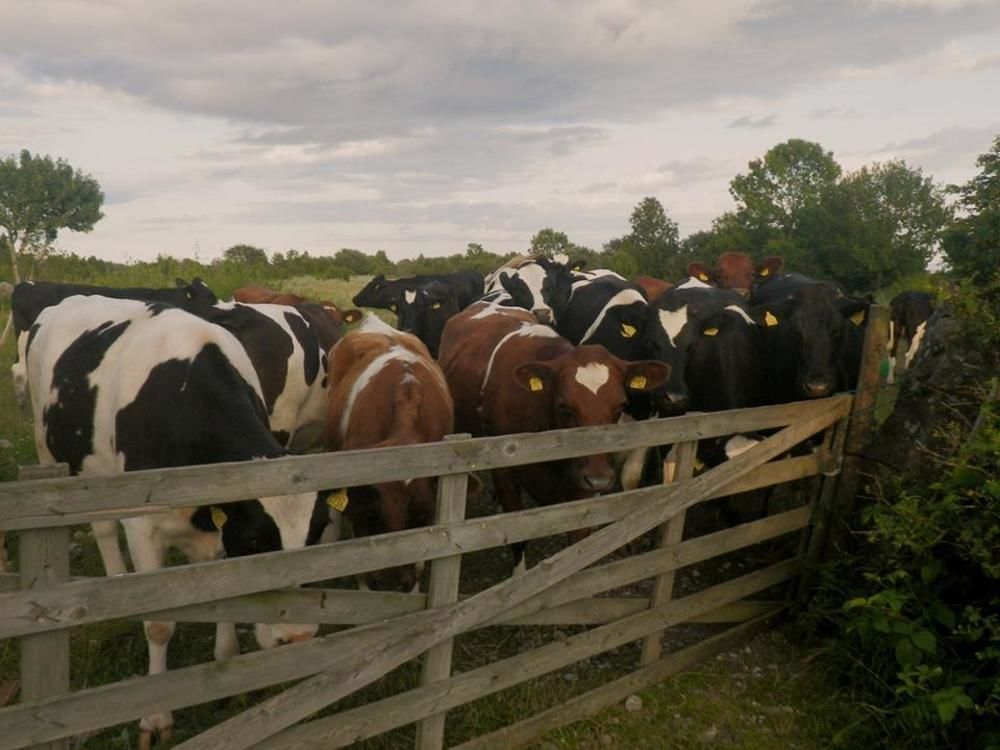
(350, 607)
(823, 515)
(98, 599)
(670, 534)
(859, 428)
(411, 635)
(43, 557)
(442, 589)
(594, 701)
(370, 720)
(61, 502)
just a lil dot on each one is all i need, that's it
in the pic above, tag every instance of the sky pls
(420, 126)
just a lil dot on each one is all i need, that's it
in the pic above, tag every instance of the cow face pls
(376, 293)
(425, 311)
(270, 524)
(584, 388)
(542, 287)
(197, 293)
(385, 508)
(722, 368)
(804, 337)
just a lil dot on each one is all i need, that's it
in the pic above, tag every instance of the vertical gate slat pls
(670, 532)
(442, 589)
(43, 555)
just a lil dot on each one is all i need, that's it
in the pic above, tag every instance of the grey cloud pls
(943, 149)
(598, 187)
(747, 121)
(828, 113)
(686, 171)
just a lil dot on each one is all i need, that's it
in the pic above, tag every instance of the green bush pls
(915, 608)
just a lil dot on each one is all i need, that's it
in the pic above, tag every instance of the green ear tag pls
(338, 501)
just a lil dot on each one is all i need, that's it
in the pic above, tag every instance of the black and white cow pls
(540, 285)
(31, 297)
(909, 313)
(805, 326)
(385, 293)
(120, 385)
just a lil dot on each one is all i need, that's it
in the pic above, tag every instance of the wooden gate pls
(41, 603)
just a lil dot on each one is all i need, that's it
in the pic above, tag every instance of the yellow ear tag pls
(628, 331)
(436, 306)
(858, 318)
(535, 383)
(218, 517)
(699, 465)
(638, 383)
(702, 277)
(338, 501)
(769, 319)
(392, 308)
(765, 271)
(711, 331)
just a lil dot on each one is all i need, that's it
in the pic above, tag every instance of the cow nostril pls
(816, 388)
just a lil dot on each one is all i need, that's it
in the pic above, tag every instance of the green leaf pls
(925, 641)
(906, 652)
(930, 571)
(946, 710)
(855, 603)
(944, 615)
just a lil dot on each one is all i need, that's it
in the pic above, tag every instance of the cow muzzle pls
(271, 636)
(817, 388)
(597, 480)
(543, 315)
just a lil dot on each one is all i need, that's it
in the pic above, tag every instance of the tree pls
(245, 255)
(39, 197)
(971, 244)
(773, 195)
(653, 245)
(549, 242)
(875, 226)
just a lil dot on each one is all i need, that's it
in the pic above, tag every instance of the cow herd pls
(127, 379)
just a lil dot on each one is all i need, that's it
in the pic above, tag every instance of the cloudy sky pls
(421, 126)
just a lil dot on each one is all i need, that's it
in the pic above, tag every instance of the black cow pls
(385, 293)
(122, 385)
(805, 325)
(31, 297)
(908, 314)
(425, 311)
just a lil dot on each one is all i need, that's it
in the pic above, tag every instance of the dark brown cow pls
(652, 286)
(386, 390)
(736, 271)
(261, 295)
(509, 374)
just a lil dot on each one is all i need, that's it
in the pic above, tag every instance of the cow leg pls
(106, 536)
(509, 497)
(631, 474)
(227, 644)
(149, 553)
(3, 551)
(331, 533)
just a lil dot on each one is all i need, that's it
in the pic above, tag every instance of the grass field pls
(758, 697)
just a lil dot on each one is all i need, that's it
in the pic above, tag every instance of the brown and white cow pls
(652, 286)
(261, 295)
(736, 271)
(509, 374)
(386, 390)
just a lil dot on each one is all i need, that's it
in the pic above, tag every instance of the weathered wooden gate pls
(42, 603)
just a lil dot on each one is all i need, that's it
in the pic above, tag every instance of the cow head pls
(197, 293)
(385, 508)
(425, 311)
(806, 330)
(375, 293)
(269, 524)
(735, 271)
(542, 287)
(585, 387)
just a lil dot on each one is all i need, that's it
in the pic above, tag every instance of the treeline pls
(869, 229)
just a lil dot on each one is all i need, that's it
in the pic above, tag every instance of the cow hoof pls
(155, 736)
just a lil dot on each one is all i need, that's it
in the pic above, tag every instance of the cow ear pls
(646, 375)
(505, 279)
(854, 310)
(351, 316)
(770, 267)
(577, 265)
(201, 519)
(699, 271)
(535, 377)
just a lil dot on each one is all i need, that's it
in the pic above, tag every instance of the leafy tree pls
(773, 195)
(549, 242)
(875, 226)
(653, 245)
(972, 243)
(40, 196)
(245, 255)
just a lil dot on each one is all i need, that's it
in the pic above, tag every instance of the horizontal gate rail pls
(63, 502)
(93, 600)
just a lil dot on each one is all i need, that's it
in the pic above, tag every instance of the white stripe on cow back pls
(673, 321)
(693, 283)
(741, 312)
(527, 330)
(624, 297)
(592, 376)
(397, 354)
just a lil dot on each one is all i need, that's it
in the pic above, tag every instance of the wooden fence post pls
(859, 425)
(44, 561)
(442, 589)
(669, 532)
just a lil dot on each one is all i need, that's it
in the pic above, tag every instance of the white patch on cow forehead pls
(409, 295)
(673, 321)
(741, 312)
(592, 376)
(291, 514)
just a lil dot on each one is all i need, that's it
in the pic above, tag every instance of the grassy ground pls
(754, 698)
